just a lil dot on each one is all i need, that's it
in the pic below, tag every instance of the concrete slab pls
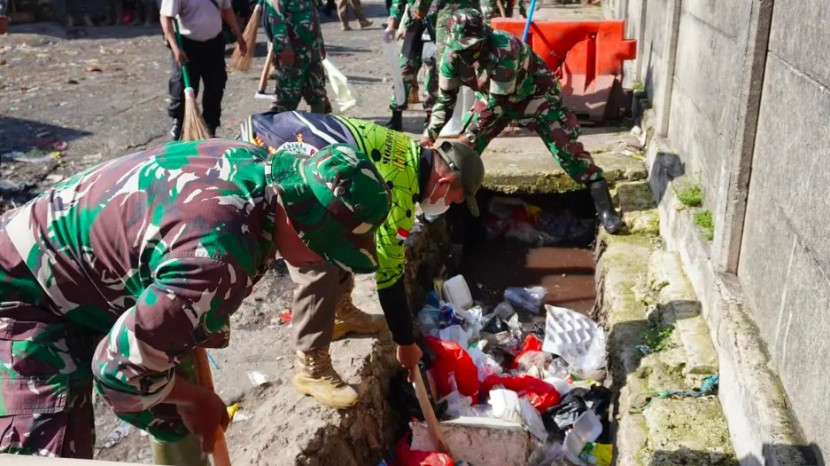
(480, 441)
(523, 164)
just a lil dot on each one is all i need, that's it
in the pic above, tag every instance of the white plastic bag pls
(533, 420)
(346, 98)
(390, 50)
(463, 103)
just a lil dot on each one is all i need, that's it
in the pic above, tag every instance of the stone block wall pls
(741, 93)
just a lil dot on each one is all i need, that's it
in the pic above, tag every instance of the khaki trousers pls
(343, 10)
(319, 289)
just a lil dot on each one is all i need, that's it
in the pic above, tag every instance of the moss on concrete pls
(704, 220)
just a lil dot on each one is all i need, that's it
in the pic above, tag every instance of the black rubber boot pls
(176, 130)
(396, 123)
(609, 217)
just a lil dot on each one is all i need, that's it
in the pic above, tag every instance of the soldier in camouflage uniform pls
(323, 309)
(490, 9)
(512, 84)
(293, 28)
(114, 275)
(412, 59)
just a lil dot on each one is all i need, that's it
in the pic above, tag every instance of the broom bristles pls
(242, 62)
(194, 127)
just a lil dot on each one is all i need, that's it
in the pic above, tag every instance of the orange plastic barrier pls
(586, 55)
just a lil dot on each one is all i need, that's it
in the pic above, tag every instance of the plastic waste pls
(485, 364)
(346, 97)
(505, 405)
(429, 319)
(504, 310)
(257, 378)
(541, 394)
(455, 333)
(558, 419)
(532, 420)
(531, 344)
(526, 298)
(577, 339)
(587, 428)
(407, 456)
(466, 98)
(450, 358)
(457, 293)
(547, 454)
(599, 454)
(458, 405)
(473, 320)
(392, 54)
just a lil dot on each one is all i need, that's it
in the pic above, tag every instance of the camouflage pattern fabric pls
(293, 28)
(116, 274)
(411, 64)
(513, 84)
(490, 9)
(394, 154)
(445, 9)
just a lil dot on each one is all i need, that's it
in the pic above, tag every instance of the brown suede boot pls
(316, 377)
(348, 318)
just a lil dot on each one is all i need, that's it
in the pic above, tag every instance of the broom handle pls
(263, 78)
(181, 46)
(221, 457)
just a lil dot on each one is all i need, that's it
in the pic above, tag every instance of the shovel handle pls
(429, 413)
(221, 457)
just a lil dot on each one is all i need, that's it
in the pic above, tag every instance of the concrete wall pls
(742, 90)
(785, 255)
(712, 36)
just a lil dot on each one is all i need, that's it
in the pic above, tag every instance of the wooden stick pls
(266, 69)
(221, 457)
(429, 413)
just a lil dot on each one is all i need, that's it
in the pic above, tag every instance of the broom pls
(242, 62)
(194, 127)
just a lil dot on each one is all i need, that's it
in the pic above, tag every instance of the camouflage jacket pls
(155, 250)
(506, 72)
(422, 7)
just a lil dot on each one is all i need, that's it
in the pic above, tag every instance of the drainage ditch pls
(519, 242)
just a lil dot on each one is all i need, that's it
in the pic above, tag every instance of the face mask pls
(438, 207)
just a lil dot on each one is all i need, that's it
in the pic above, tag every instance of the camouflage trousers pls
(558, 128)
(409, 70)
(298, 61)
(46, 375)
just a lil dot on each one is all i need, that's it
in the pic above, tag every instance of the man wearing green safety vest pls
(323, 311)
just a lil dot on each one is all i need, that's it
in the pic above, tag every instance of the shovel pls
(425, 401)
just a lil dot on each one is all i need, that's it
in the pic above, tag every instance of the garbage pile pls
(514, 218)
(515, 363)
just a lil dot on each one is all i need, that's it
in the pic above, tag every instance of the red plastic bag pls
(451, 358)
(532, 343)
(541, 394)
(405, 456)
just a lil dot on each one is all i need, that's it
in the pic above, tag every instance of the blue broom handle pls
(529, 20)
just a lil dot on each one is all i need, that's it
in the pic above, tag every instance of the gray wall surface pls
(726, 54)
(711, 41)
(785, 254)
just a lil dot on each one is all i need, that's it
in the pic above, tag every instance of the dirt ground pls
(105, 95)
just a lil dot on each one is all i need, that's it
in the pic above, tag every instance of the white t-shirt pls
(198, 19)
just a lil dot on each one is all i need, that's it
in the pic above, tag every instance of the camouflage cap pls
(468, 165)
(466, 29)
(335, 200)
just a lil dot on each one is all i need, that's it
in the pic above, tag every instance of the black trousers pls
(206, 64)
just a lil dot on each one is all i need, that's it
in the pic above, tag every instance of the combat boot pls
(316, 377)
(348, 318)
(396, 123)
(609, 217)
(176, 129)
(414, 97)
(364, 23)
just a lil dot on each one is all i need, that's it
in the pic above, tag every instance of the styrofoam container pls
(457, 293)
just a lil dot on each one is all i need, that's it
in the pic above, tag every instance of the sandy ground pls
(104, 94)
